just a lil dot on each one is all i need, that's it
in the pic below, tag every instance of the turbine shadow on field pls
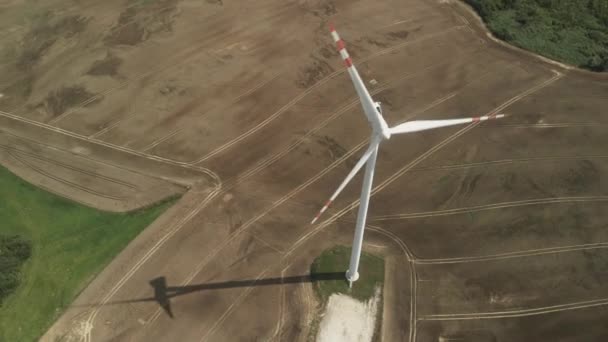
(163, 293)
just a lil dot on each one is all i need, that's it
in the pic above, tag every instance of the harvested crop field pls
(248, 106)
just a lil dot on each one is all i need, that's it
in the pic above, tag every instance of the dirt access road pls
(248, 105)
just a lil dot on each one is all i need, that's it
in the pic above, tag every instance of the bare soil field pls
(84, 179)
(489, 229)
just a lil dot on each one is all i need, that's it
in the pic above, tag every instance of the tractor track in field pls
(50, 147)
(80, 137)
(510, 161)
(162, 139)
(228, 185)
(245, 226)
(309, 90)
(64, 181)
(88, 323)
(495, 206)
(192, 52)
(231, 184)
(288, 105)
(110, 125)
(246, 93)
(375, 190)
(181, 57)
(511, 255)
(413, 277)
(343, 109)
(91, 318)
(307, 302)
(517, 312)
(70, 167)
(93, 314)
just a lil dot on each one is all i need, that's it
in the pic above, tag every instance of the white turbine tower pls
(380, 132)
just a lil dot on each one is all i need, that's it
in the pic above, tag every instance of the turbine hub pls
(384, 130)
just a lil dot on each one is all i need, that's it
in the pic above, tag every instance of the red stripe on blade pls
(331, 27)
(340, 44)
(348, 62)
(475, 119)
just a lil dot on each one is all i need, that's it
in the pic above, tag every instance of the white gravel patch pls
(347, 319)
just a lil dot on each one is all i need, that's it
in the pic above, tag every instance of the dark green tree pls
(572, 31)
(14, 251)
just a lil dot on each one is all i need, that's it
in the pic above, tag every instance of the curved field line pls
(156, 314)
(347, 107)
(246, 292)
(259, 216)
(406, 250)
(52, 191)
(413, 278)
(511, 255)
(385, 183)
(437, 147)
(279, 155)
(293, 192)
(517, 313)
(310, 90)
(108, 145)
(176, 227)
(495, 206)
(116, 166)
(335, 216)
(509, 161)
(466, 129)
(65, 181)
(70, 167)
(261, 166)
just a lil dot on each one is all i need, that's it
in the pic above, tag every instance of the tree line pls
(14, 251)
(572, 31)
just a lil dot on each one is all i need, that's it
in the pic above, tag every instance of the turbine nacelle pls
(381, 128)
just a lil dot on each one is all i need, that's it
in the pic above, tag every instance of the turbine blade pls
(368, 104)
(372, 147)
(422, 125)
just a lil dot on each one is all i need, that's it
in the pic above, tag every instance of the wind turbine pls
(380, 132)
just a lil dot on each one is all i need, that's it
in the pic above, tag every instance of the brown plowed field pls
(493, 231)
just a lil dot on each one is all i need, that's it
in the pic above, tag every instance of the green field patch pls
(335, 261)
(70, 244)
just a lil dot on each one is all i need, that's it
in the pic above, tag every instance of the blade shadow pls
(164, 293)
